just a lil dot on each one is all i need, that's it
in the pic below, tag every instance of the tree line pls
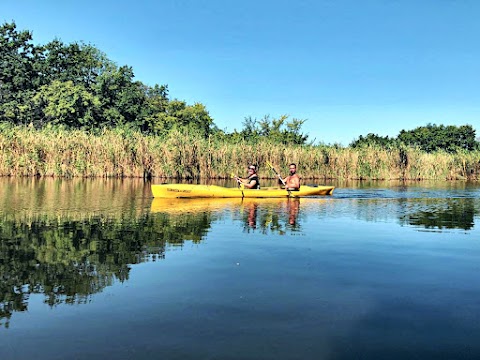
(428, 138)
(77, 86)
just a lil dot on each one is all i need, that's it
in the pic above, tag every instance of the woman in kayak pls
(251, 182)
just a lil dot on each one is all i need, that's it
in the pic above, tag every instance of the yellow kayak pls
(214, 191)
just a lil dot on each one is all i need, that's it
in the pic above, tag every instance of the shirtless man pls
(292, 182)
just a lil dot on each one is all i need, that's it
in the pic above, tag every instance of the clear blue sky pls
(348, 67)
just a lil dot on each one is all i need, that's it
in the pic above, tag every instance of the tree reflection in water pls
(442, 214)
(68, 260)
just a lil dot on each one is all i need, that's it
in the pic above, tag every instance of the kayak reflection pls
(269, 215)
(271, 218)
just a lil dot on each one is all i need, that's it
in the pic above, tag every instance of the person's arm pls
(250, 184)
(239, 180)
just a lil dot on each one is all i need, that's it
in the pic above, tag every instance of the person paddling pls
(251, 182)
(292, 182)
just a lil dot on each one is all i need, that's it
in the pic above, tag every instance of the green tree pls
(78, 86)
(277, 130)
(18, 76)
(293, 134)
(67, 104)
(373, 140)
(177, 114)
(121, 99)
(77, 62)
(439, 137)
(156, 103)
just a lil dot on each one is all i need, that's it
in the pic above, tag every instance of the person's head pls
(252, 169)
(293, 168)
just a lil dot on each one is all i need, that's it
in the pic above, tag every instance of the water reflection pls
(441, 214)
(265, 215)
(272, 217)
(70, 257)
(71, 239)
(69, 260)
(278, 217)
(425, 214)
(24, 198)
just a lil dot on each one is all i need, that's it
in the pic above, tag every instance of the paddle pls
(276, 173)
(280, 177)
(240, 184)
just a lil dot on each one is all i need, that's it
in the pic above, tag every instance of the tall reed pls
(183, 154)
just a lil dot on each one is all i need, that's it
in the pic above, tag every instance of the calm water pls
(99, 270)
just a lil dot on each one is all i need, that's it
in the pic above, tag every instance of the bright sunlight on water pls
(97, 269)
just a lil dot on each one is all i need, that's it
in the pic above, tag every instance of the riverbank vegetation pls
(186, 154)
(66, 110)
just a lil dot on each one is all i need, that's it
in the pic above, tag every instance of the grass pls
(117, 153)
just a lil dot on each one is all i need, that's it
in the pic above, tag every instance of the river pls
(96, 269)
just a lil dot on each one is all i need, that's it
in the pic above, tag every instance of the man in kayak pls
(292, 182)
(251, 182)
